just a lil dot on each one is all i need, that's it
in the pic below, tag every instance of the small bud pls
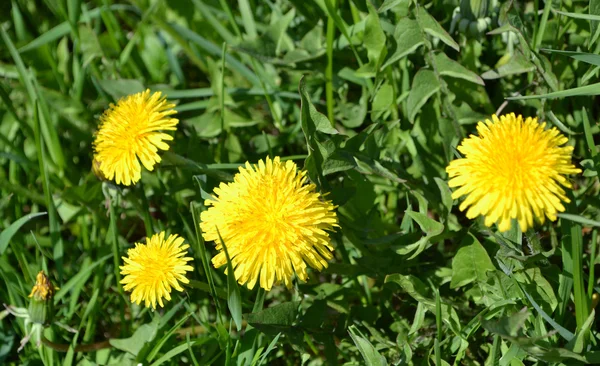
(41, 304)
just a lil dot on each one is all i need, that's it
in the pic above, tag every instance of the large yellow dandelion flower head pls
(273, 223)
(514, 169)
(151, 269)
(132, 131)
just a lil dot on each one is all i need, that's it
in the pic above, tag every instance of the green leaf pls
(136, 342)
(578, 342)
(508, 326)
(424, 85)
(374, 42)
(313, 120)
(366, 349)
(276, 318)
(270, 348)
(408, 38)
(64, 28)
(594, 9)
(182, 347)
(591, 17)
(10, 231)
(470, 263)
(429, 226)
(445, 192)
(587, 90)
(79, 279)
(586, 57)
(517, 64)
(447, 66)
(421, 293)
(234, 299)
(432, 27)
(122, 87)
(382, 102)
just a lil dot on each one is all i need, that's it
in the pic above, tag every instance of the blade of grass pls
(589, 90)
(215, 51)
(214, 22)
(329, 67)
(64, 28)
(589, 58)
(234, 299)
(438, 324)
(202, 252)
(11, 230)
(578, 15)
(572, 242)
(589, 138)
(27, 79)
(592, 264)
(247, 18)
(57, 241)
(539, 36)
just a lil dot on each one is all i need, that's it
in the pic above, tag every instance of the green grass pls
(396, 84)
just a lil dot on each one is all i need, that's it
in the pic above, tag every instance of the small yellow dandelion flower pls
(151, 269)
(272, 223)
(130, 132)
(43, 289)
(514, 169)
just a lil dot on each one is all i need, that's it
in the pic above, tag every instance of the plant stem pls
(329, 69)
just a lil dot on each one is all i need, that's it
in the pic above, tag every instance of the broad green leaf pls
(408, 38)
(313, 120)
(432, 27)
(517, 64)
(279, 317)
(277, 32)
(566, 334)
(424, 85)
(470, 263)
(445, 193)
(447, 66)
(383, 101)
(10, 231)
(389, 4)
(121, 87)
(508, 326)
(429, 226)
(338, 161)
(414, 287)
(136, 342)
(538, 287)
(374, 42)
(366, 349)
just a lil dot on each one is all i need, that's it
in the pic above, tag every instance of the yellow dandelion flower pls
(43, 288)
(151, 269)
(514, 169)
(272, 223)
(130, 132)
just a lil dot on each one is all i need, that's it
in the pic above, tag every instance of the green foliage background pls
(372, 98)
